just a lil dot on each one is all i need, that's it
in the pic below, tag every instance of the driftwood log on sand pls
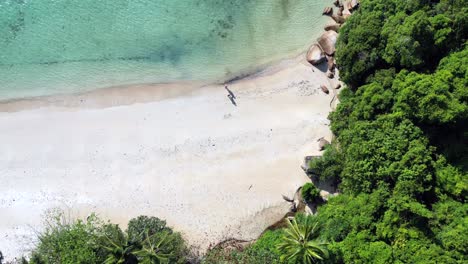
(338, 86)
(315, 54)
(330, 75)
(324, 89)
(328, 41)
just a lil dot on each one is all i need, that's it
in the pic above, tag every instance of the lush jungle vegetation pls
(146, 240)
(400, 156)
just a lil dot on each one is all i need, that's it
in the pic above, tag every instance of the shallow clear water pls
(65, 46)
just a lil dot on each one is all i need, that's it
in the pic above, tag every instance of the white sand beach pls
(211, 169)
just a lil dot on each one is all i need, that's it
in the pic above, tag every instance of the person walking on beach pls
(230, 95)
(229, 91)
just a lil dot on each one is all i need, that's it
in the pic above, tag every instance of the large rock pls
(330, 63)
(315, 55)
(335, 27)
(328, 41)
(346, 14)
(328, 11)
(339, 19)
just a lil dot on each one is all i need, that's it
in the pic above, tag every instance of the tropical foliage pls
(147, 240)
(262, 251)
(310, 193)
(300, 244)
(400, 155)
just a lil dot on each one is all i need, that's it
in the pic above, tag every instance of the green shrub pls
(329, 166)
(310, 193)
(137, 226)
(247, 256)
(267, 242)
(147, 240)
(142, 227)
(67, 241)
(261, 251)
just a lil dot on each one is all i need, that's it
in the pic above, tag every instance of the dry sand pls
(211, 169)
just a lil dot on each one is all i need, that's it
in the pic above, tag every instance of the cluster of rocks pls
(324, 49)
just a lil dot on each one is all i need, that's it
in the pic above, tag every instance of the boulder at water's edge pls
(315, 55)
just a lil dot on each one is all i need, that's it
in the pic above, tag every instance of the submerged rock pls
(315, 54)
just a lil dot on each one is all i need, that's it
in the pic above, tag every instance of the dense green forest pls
(400, 154)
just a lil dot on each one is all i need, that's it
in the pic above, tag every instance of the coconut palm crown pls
(299, 244)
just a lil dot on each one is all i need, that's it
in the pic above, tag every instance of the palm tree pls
(116, 246)
(152, 250)
(299, 244)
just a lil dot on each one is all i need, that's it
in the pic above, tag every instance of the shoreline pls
(141, 93)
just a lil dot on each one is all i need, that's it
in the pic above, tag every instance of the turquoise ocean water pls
(66, 46)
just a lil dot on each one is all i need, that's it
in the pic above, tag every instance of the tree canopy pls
(400, 154)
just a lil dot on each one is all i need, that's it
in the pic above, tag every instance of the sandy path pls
(212, 169)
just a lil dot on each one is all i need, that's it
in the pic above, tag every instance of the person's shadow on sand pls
(232, 99)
